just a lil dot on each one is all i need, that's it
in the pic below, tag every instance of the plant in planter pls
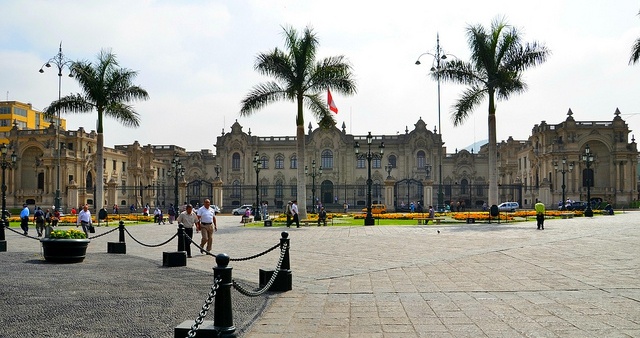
(65, 246)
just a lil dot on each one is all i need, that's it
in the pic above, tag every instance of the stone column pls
(389, 185)
(218, 193)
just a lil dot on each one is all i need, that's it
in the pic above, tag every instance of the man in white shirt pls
(294, 212)
(188, 219)
(207, 219)
(84, 219)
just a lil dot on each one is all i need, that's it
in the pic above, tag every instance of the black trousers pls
(187, 242)
(540, 220)
(24, 224)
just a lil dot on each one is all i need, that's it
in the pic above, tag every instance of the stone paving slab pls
(576, 278)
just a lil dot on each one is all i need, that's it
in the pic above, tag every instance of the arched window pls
(376, 163)
(279, 191)
(279, 162)
(235, 161)
(360, 163)
(420, 159)
(393, 161)
(264, 162)
(327, 159)
(463, 186)
(294, 162)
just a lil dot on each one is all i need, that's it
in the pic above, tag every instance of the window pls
(420, 159)
(20, 111)
(235, 189)
(89, 181)
(294, 162)
(104, 163)
(360, 163)
(124, 166)
(463, 186)
(41, 181)
(70, 179)
(114, 164)
(294, 188)
(264, 161)
(376, 163)
(235, 161)
(70, 146)
(264, 190)
(21, 124)
(5, 122)
(279, 191)
(326, 159)
(279, 162)
(124, 187)
(5, 110)
(37, 120)
(393, 161)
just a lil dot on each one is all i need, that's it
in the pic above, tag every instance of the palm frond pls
(262, 95)
(470, 98)
(124, 113)
(635, 53)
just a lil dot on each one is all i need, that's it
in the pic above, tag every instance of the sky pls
(196, 59)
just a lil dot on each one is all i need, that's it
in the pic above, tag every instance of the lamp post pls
(436, 67)
(587, 157)
(313, 175)
(5, 223)
(257, 166)
(369, 156)
(563, 171)
(60, 61)
(176, 171)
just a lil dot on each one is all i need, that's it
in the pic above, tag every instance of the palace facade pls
(414, 168)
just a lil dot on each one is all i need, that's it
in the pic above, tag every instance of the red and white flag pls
(332, 105)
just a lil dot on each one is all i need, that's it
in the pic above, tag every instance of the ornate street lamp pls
(563, 171)
(5, 223)
(60, 61)
(369, 156)
(436, 67)
(587, 157)
(176, 171)
(313, 175)
(257, 164)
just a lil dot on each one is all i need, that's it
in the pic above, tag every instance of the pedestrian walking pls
(287, 212)
(294, 213)
(24, 219)
(38, 219)
(207, 220)
(84, 219)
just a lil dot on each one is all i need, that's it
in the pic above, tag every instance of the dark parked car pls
(577, 205)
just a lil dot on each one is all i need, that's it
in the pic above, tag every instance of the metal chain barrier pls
(255, 256)
(205, 309)
(149, 245)
(106, 233)
(198, 246)
(256, 293)
(21, 234)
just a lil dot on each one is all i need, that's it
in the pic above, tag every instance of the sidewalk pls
(576, 278)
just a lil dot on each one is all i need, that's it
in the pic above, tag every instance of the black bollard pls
(181, 237)
(284, 279)
(120, 246)
(223, 311)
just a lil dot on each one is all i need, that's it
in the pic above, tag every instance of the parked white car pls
(509, 206)
(242, 209)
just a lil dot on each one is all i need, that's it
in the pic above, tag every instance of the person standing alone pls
(207, 218)
(294, 213)
(84, 219)
(540, 211)
(188, 219)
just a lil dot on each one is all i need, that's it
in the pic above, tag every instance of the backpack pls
(39, 215)
(288, 209)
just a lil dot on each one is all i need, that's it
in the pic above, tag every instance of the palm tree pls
(498, 58)
(300, 78)
(635, 51)
(107, 88)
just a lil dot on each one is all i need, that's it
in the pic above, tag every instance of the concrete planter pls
(64, 250)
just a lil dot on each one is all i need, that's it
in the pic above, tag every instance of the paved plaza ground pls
(576, 278)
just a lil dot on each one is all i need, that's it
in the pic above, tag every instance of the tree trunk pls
(493, 153)
(98, 199)
(302, 178)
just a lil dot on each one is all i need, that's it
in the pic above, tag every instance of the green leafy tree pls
(498, 58)
(635, 51)
(107, 89)
(300, 78)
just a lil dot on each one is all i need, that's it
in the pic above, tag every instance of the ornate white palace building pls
(529, 170)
